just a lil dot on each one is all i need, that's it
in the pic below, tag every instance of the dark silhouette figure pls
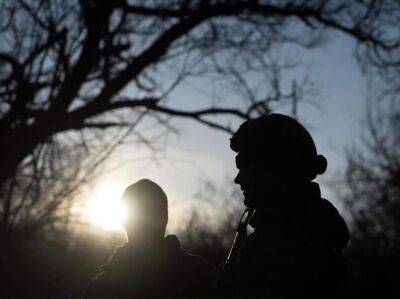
(151, 265)
(296, 247)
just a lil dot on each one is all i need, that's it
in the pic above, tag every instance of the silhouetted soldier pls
(296, 247)
(151, 265)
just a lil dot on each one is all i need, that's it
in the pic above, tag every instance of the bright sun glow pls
(105, 208)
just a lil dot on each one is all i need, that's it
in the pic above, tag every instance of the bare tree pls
(210, 226)
(42, 191)
(76, 66)
(371, 194)
(372, 177)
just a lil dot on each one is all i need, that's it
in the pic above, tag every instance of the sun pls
(104, 207)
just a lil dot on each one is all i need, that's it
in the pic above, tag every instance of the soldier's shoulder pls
(195, 264)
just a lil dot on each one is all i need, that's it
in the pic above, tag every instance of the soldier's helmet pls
(147, 205)
(279, 142)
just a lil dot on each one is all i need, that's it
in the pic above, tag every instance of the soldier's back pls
(295, 254)
(165, 270)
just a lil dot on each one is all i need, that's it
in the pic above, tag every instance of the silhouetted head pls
(147, 208)
(274, 152)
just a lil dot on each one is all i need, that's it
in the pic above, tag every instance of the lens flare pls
(105, 209)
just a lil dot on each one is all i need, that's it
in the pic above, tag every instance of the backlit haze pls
(104, 208)
(199, 154)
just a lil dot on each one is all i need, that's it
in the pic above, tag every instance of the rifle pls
(240, 237)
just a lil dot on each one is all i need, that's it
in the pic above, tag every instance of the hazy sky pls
(201, 154)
